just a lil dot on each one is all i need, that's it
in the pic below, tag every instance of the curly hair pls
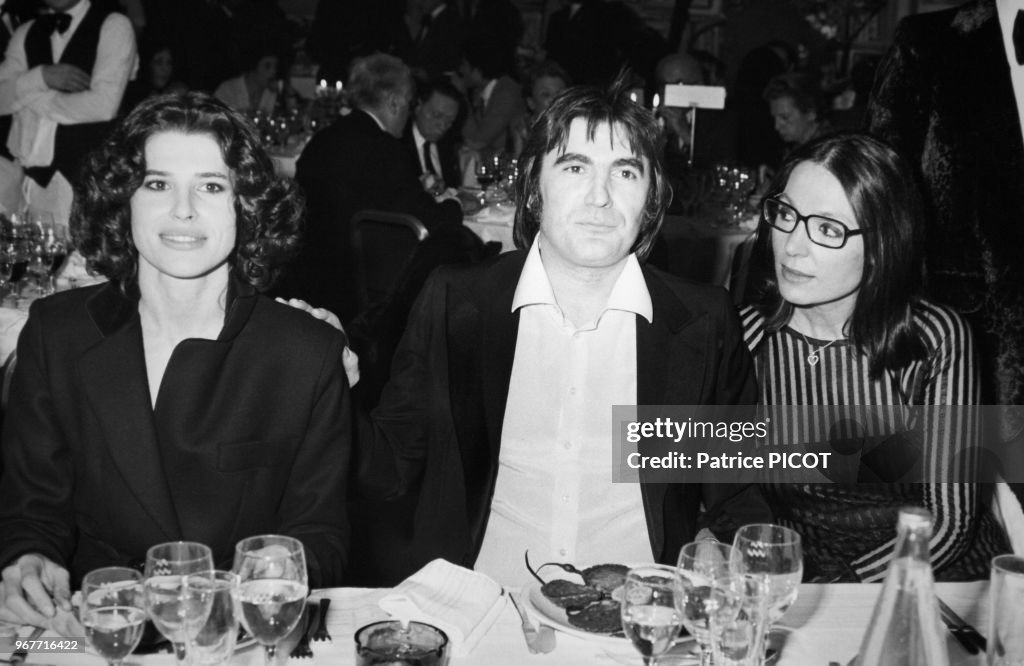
(550, 132)
(268, 210)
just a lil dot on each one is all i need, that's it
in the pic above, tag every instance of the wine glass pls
(272, 587)
(113, 611)
(214, 643)
(650, 609)
(176, 598)
(774, 556)
(8, 257)
(734, 629)
(55, 249)
(701, 564)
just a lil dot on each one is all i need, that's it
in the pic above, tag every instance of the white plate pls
(556, 617)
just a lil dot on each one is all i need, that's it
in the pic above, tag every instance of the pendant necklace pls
(814, 356)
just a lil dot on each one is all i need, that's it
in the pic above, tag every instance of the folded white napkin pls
(461, 603)
(32, 135)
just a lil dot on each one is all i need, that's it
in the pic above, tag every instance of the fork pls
(321, 628)
(302, 649)
(540, 640)
(965, 634)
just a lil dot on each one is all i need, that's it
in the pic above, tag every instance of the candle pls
(337, 86)
(657, 101)
(632, 96)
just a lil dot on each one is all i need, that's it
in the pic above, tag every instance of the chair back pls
(383, 246)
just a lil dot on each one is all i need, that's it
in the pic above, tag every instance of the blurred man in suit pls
(427, 136)
(61, 84)
(437, 35)
(359, 163)
(715, 131)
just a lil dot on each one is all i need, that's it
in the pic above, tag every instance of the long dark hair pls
(885, 200)
(611, 106)
(268, 209)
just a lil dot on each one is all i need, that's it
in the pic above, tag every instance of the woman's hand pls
(348, 357)
(34, 590)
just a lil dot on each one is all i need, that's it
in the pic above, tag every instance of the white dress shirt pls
(1007, 11)
(420, 140)
(554, 494)
(235, 94)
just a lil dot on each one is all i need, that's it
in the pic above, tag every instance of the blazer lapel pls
(115, 372)
(482, 334)
(657, 345)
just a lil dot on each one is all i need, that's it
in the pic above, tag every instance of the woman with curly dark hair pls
(173, 402)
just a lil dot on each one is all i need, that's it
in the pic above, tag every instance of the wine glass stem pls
(180, 652)
(269, 652)
(707, 655)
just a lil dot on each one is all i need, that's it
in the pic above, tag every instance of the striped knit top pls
(849, 530)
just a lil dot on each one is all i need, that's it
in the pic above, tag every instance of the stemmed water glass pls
(773, 555)
(177, 582)
(650, 610)
(214, 643)
(702, 564)
(113, 611)
(273, 586)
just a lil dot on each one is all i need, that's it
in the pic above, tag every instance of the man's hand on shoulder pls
(65, 78)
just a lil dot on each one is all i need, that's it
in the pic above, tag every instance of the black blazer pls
(250, 435)
(438, 427)
(446, 153)
(350, 166)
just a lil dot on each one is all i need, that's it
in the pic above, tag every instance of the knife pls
(19, 656)
(965, 634)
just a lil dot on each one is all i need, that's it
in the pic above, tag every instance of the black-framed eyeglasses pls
(823, 231)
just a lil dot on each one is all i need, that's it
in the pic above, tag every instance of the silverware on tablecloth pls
(539, 641)
(321, 626)
(965, 634)
(302, 649)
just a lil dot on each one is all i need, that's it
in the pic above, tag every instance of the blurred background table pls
(700, 248)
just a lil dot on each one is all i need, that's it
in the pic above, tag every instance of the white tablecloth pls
(11, 323)
(826, 624)
(493, 223)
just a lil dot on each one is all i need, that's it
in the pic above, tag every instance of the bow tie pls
(58, 22)
(1018, 36)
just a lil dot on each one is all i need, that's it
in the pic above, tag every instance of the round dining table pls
(825, 626)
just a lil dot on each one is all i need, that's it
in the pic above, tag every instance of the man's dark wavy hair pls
(550, 132)
(885, 199)
(268, 209)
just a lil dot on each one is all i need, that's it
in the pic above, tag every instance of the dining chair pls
(383, 246)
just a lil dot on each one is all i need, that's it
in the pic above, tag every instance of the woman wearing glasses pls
(840, 321)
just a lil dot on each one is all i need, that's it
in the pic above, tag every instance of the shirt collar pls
(418, 137)
(485, 94)
(629, 293)
(376, 120)
(77, 13)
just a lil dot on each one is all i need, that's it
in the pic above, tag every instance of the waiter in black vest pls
(61, 83)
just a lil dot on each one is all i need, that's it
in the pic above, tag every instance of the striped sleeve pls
(947, 377)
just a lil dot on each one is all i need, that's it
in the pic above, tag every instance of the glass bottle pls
(905, 629)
